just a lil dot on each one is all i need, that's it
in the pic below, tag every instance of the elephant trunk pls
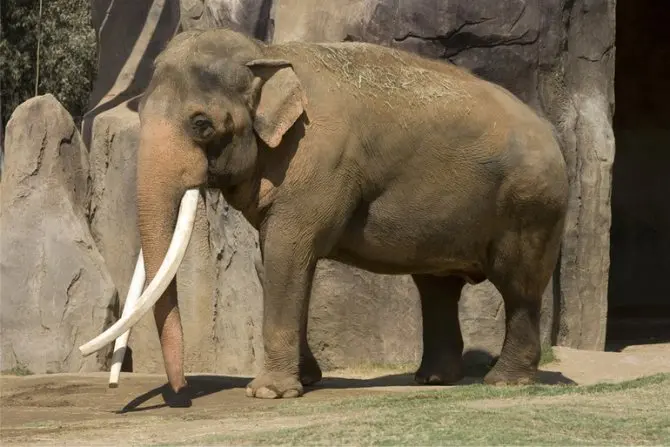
(164, 178)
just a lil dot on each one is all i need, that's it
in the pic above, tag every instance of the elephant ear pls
(278, 98)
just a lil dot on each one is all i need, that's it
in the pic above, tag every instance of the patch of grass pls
(372, 368)
(547, 355)
(18, 370)
(621, 413)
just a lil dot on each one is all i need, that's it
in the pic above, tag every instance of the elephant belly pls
(398, 240)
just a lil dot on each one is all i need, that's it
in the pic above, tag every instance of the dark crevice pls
(638, 304)
(518, 18)
(602, 55)
(490, 42)
(441, 39)
(68, 293)
(459, 39)
(40, 155)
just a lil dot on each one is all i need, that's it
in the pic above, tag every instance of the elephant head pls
(213, 102)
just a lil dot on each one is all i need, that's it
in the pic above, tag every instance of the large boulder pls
(360, 319)
(56, 291)
(112, 209)
(129, 37)
(250, 16)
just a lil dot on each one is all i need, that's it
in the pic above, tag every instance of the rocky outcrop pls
(129, 37)
(250, 16)
(56, 291)
(577, 92)
(112, 209)
(360, 319)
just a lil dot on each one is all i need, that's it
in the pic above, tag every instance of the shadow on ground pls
(477, 364)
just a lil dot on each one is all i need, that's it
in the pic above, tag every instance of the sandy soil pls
(80, 409)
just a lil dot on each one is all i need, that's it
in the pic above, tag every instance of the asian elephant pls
(359, 153)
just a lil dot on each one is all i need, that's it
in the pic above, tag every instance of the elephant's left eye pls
(202, 126)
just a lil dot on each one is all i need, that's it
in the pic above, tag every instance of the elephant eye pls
(202, 126)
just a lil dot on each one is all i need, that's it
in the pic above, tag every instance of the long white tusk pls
(134, 292)
(165, 274)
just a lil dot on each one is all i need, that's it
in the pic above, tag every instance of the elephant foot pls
(179, 399)
(310, 372)
(274, 385)
(500, 377)
(439, 373)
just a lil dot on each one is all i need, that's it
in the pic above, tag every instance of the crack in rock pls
(68, 292)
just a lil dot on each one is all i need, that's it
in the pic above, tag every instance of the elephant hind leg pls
(523, 262)
(441, 362)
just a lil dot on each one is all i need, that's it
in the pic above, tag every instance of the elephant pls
(355, 152)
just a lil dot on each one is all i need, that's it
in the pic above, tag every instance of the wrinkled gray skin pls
(361, 154)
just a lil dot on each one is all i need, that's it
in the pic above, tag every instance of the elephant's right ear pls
(277, 98)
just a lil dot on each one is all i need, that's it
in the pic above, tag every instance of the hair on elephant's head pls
(214, 99)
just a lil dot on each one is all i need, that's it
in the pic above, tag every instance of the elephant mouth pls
(138, 305)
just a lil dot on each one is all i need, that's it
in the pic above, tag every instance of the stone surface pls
(250, 16)
(112, 209)
(361, 319)
(131, 33)
(581, 105)
(129, 36)
(56, 291)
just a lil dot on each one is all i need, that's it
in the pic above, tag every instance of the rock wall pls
(556, 55)
(56, 292)
(578, 95)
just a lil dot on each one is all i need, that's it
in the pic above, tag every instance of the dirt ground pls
(80, 409)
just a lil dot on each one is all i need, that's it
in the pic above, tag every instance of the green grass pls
(633, 412)
(18, 370)
(547, 355)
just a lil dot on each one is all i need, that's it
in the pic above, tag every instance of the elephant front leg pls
(289, 268)
(442, 362)
(310, 372)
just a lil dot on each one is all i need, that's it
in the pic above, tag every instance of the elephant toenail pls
(267, 393)
(291, 393)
